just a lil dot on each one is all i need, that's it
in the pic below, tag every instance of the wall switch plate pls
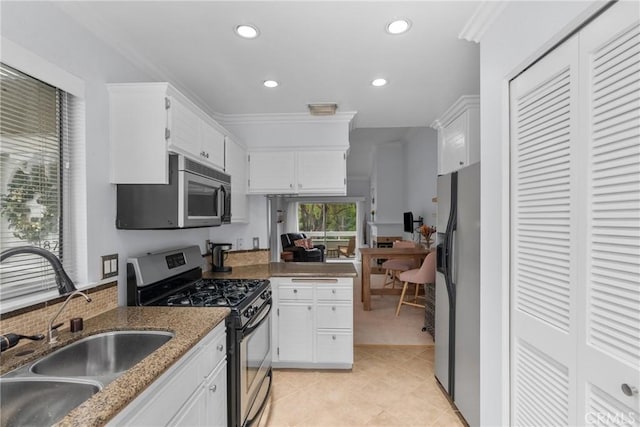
(256, 243)
(109, 266)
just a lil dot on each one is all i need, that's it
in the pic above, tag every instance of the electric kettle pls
(218, 255)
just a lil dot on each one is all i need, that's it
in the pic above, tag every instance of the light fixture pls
(247, 31)
(327, 109)
(379, 82)
(398, 26)
(270, 83)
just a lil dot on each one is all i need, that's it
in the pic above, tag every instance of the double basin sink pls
(44, 391)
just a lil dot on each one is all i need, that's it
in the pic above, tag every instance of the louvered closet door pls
(609, 344)
(543, 239)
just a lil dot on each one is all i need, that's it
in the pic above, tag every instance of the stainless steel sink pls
(39, 401)
(103, 356)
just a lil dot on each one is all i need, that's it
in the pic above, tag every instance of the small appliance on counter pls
(218, 255)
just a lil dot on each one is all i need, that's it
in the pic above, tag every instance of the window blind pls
(35, 153)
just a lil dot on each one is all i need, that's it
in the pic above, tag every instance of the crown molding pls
(463, 103)
(481, 20)
(284, 118)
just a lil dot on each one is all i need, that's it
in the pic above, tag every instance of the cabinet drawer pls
(334, 293)
(214, 350)
(334, 347)
(335, 316)
(295, 292)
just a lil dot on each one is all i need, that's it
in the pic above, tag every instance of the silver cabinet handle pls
(333, 337)
(629, 390)
(220, 347)
(333, 291)
(213, 388)
(295, 291)
(309, 307)
(290, 185)
(333, 309)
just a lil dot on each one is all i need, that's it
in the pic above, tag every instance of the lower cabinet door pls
(334, 347)
(295, 332)
(193, 412)
(216, 391)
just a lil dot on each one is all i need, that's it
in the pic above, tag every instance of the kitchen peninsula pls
(286, 269)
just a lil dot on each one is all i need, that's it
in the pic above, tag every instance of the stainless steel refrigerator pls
(457, 317)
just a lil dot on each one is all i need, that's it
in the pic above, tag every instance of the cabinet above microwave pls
(147, 121)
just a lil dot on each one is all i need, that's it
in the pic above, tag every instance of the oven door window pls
(202, 200)
(258, 349)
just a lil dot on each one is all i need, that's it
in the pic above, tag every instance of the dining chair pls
(393, 267)
(418, 276)
(348, 250)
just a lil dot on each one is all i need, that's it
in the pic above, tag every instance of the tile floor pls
(388, 386)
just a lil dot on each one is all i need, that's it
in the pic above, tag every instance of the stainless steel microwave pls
(196, 196)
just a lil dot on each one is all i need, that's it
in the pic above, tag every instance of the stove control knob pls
(249, 312)
(265, 295)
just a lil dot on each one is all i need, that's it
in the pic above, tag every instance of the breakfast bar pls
(417, 253)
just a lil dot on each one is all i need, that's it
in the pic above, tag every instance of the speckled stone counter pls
(288, 269)
(189, 325)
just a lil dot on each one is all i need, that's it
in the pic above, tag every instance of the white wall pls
(521, 32)
(421, 173)
(43, 29)
(256, 227)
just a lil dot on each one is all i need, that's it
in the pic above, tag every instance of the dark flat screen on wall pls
(408, 222)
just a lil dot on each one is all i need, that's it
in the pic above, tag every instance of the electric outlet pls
(109, 266)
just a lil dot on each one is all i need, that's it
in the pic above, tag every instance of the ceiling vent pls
(322, 109)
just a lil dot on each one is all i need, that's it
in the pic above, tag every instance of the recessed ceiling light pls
(398, 26)
(247, 31)
(270, 83)
(379, 82)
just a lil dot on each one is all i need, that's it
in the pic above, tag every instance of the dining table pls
(418, 253)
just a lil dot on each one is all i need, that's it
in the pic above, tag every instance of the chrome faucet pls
(65, 285)
(53, 334)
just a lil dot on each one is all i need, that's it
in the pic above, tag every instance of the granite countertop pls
(287, 269)
(189, 325)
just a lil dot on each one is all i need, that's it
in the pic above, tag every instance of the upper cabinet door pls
(453, 152)
(322, 172)
(272, 172)
(184, 128)
(211, 145)
(459, 135)
(236, 166)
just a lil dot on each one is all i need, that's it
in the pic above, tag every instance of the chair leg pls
(415, 297)
(404, 291)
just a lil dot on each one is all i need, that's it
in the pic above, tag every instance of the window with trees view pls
(331, 224)
(34, 160)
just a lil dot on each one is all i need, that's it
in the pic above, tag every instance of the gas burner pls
(179, 299)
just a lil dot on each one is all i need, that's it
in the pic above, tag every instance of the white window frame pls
(29, 63)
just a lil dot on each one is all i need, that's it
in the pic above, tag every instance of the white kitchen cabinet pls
(271, 172)
(236, 166)
(459, 135)
(313, 322)
(149, 120)
(297, 172)
(190, 392)
(322, 172)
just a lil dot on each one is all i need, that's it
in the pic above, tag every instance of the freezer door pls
(441, 361)
(444, 202)
(466, 276)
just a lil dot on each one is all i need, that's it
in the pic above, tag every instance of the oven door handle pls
(258, 413)
(255, 324)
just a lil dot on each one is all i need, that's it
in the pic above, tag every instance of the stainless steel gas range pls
(174, 278)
